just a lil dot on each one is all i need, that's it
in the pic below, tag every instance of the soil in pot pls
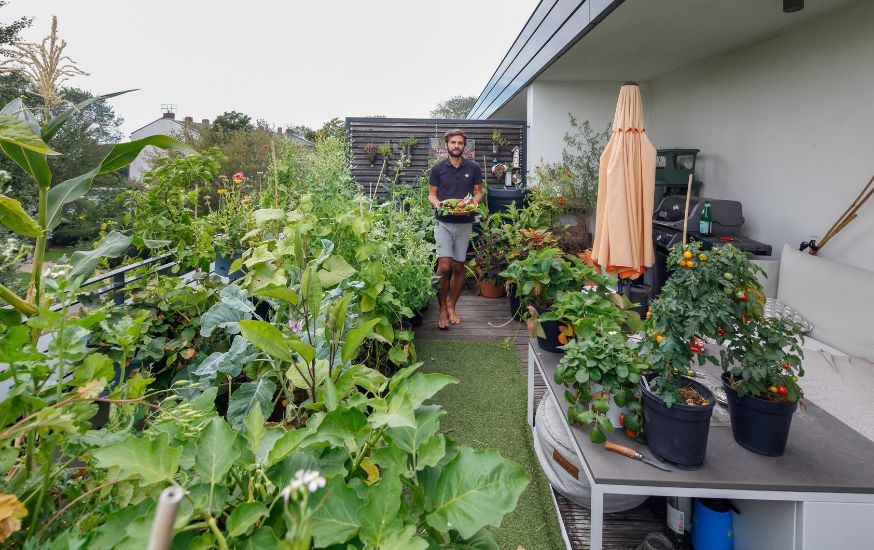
(678, 434)
(552, 329)
(759, 425)
(487, 289)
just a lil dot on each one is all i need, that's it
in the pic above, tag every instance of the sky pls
(288, 62)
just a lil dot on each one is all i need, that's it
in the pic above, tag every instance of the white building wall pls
(786, 126)
(166, 126)
(549, 103)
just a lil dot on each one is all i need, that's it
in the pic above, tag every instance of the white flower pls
(309, 479)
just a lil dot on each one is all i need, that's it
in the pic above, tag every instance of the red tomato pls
(630, 433)
(622, 420)
(782, 390)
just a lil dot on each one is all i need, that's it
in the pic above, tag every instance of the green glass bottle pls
(705, 227)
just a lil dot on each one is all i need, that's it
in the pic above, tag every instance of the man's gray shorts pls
(452, 240)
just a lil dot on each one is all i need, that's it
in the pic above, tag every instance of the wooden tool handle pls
(621, 449)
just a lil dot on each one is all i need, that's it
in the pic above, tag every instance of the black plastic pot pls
(223, 266)
(500, 198)
(515, 304)
(677, 434)
(758, 425)
(552, 331)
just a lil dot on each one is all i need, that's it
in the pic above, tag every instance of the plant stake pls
(686, 212)
(165, 516)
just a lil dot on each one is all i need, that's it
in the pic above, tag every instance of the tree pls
(9, 33)
(231, 121)
(456, 107)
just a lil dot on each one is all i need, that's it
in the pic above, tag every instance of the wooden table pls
(825, 460)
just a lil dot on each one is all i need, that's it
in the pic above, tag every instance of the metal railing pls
(119, 279)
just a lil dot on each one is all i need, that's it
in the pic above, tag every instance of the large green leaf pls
(151, 461)
(216, 451)
(17, 132)
(422, 386)
(255, 429)
(244, 516)
(355, 337)
(396, 412)
(64, 193)
(336, 521)
(13, 216)
(55, 124)
(123, 154)
(85, 261)
(32, 162)
(475, 489)
(246, 396)
(427, 423)
(404, 539)
(267, 338)
(281, 293)
(343, 427)
(379, 517)
(334, 270)
(286, 444)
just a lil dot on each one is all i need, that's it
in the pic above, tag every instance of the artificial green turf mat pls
(488, 409)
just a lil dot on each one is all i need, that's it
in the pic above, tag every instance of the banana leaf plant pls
(26, 140)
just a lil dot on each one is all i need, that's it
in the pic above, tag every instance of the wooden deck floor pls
(488, 320)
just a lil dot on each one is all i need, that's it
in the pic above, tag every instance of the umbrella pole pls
(686, 213)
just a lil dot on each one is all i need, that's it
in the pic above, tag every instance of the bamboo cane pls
(686, 212)
(165, 516)
(849, 208)
(849, 215)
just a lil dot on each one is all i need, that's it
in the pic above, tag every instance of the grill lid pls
(727, 216)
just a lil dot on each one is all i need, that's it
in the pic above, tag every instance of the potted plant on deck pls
(492, 251)
(538, 280)
(601, 364)
(694, 304)
(761, 362)
(230, 223)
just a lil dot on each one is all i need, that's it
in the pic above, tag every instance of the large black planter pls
(500, 198)
(223, 266)
(677, 434)
(759, 425)
(552, 329)
(515, 304)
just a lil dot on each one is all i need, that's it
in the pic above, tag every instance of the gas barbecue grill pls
(667, 230)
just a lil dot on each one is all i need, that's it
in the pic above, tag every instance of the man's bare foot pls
(453, 317)
(443, 319)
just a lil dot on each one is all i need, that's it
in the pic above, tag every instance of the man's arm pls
(432, 196)
(478, 193)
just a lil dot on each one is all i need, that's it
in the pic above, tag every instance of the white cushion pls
(815, 345)
(836, 298)
(842, 386)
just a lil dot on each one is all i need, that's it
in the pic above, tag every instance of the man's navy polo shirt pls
(455, 183)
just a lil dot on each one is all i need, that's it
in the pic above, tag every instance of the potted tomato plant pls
(762, 364)
(694, 304)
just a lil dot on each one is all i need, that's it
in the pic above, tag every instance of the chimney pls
(189, 119)
(170, 115)
(205, 122)
(279, 130)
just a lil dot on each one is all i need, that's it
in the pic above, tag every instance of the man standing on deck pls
(453, 178)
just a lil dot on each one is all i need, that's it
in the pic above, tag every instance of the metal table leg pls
(531, 368)
(597, 519)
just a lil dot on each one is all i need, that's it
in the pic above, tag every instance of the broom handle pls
(165, 516)
(686, 213)
(828, 234)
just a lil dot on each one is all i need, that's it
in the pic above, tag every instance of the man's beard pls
(452, 153)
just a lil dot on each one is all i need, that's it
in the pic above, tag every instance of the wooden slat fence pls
(361, 131)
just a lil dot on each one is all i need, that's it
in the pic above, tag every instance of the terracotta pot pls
(487, 289)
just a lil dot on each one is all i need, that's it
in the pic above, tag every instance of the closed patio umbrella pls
(626, 187)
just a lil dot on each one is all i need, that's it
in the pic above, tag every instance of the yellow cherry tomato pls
(702, 257)
(687, 254)
(659, 338)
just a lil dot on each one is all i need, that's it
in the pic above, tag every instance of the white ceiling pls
(644, 39)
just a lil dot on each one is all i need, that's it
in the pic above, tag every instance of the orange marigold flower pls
(561, 201)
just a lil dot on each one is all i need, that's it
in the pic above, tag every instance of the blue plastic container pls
(711, 525)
